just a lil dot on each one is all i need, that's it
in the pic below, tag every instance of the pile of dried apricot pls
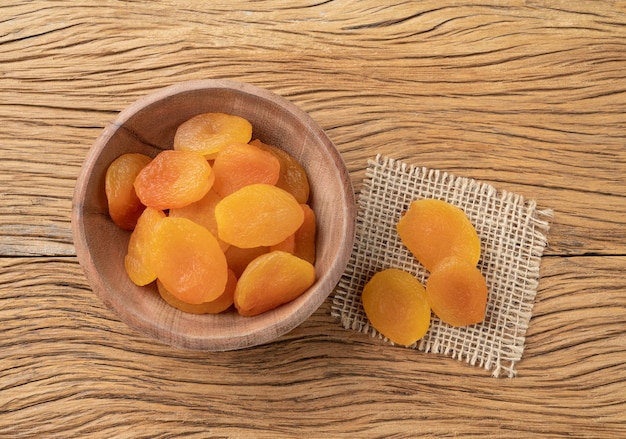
(219, 220)
(444, 241)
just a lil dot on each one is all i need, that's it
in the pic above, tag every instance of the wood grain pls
(526, 95)
(441, 86)
(72, 361)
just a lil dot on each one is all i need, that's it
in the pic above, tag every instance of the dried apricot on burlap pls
(222, 303)
(174, 179)
(271, 280)
(293, 177)
(124, 205)
(433, 230)
(139, 261)
(208, 133)
(239, 258)
(457, 292)
(395, 304)
(190, 263)
(240, 164)
(202, 212)
(302, 242)
(258, 215)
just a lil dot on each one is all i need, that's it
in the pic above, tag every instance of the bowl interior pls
(147, 127)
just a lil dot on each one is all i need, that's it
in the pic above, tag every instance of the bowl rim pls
(274, 327)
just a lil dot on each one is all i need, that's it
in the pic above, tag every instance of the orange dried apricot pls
(258, 215)
(292, 176)
(433, 230)
(124, 205)
(202, 212)
(174, 179)
(239, 258)
(306, 235)
(395, 304)
(208, 133)
(457, 292)
(139, 261)
(189, 261)
(302, 242)
(240, 164)
(271, 280)
(286, 245)
(222, 303)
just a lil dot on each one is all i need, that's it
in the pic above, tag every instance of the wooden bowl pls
(148, 127)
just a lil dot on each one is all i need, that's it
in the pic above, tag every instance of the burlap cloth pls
(513, 236)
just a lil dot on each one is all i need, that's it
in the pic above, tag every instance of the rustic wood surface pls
(526, 95)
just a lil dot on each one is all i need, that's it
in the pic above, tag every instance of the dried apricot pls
(292, 176)
(124, 205)
(240, 164)
(174, 179)
(457, 292)
(395, 304)
(239, 258)
(189, 261)
(208, 133)
(302, 242)
(433, 230)
(140, 262)
(271, 280)
(286, 245)
(222, 303)
(306, 235)
(258, 215)
(202, 212)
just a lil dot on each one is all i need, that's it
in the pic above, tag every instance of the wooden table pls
(526, 95)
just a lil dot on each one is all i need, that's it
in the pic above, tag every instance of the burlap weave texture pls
(513, 237)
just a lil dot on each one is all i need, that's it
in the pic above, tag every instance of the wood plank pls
(538, 112)
(527, 95)
(69, 367)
